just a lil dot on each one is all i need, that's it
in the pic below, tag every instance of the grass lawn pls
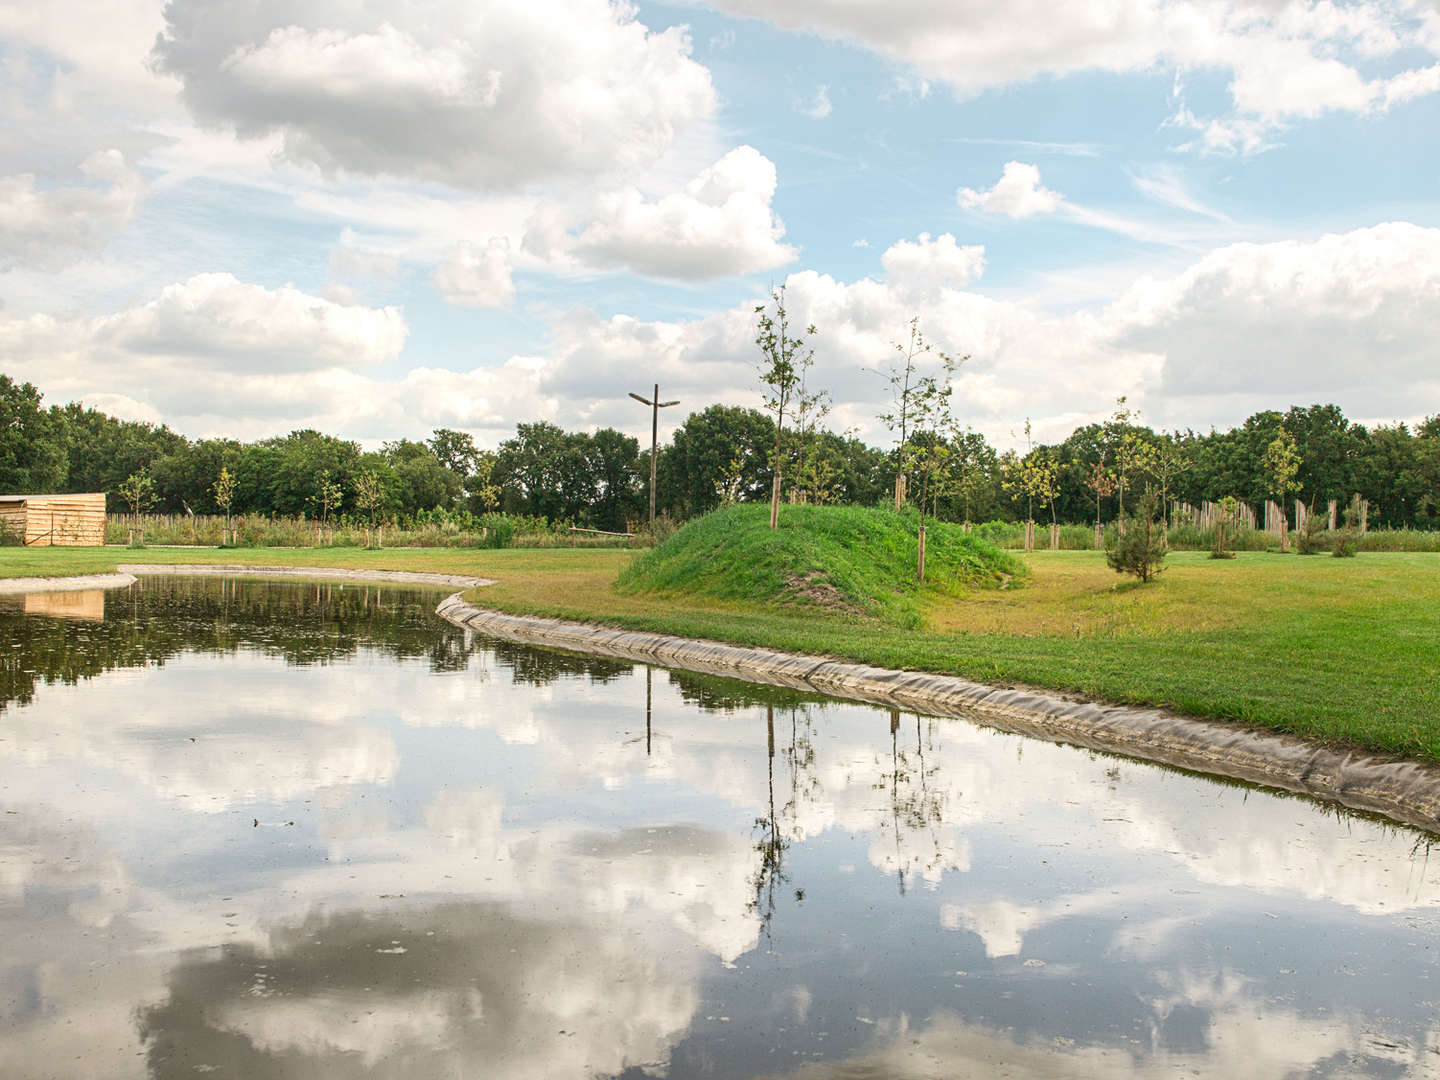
(1343, 650)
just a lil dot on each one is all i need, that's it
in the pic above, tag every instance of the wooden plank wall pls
(59, 520)
(12, 518)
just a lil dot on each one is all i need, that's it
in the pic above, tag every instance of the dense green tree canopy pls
(718, 453)
(33, 453)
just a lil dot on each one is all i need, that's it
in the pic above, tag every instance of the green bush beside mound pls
(844, 559)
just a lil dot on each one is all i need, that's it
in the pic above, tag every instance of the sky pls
(379, 217)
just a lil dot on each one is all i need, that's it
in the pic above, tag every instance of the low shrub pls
(1141, 547)
(1314, 537)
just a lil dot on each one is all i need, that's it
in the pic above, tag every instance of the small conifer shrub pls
(1141, 548)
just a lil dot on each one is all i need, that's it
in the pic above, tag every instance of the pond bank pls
(1403, 790)
(306, 573)
(74, 583)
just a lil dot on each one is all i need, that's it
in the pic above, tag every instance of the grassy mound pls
(844, 559)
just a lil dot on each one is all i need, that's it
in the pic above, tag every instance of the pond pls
(310, 830)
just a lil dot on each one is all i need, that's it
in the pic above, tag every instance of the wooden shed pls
(45, 520)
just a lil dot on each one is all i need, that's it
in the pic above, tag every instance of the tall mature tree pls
(104, 451)
(455, 450)
(613, 462)
(537, 472)
(425, 482)
(33, 454)
(719, 447)
(974, 468)
(1328, 445)
(277, 475)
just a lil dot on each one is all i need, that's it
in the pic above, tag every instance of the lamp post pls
(655, 406)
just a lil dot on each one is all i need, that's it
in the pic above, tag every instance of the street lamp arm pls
(664, 404)
(642, 400)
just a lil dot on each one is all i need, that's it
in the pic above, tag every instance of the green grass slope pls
(842, 559)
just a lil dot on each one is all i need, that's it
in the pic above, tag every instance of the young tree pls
(731, 483)
(904, 381)
(1102, 483)
(138, 491)
(812, 480)
(1229, 507)
(223, 491)
(1170, 463)
(782, 373)
(1134, 458)
(927, 455)
(327, 495)
(1282, 462)
(1125, 448)
(1035, 476)
(482, 493)
(1043, 479)
(369, 496)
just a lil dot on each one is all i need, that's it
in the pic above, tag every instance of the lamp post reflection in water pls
(649, 711)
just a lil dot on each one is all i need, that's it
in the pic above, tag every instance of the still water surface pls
(285, 830)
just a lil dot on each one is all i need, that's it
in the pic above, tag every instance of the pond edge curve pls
(1401, 789)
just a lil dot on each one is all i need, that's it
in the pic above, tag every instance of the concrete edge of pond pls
(1402, 790)
(74, 583)
(307, 573)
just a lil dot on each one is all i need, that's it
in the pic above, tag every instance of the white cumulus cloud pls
(1351, 317)
(217, 320)
(1286, 60)
(493, 96)
(1017, 194)
(721, 223)
(49, 227)
(472, 276)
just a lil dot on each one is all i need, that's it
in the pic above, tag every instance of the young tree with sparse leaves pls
(905, 385)
(782, 374)
(927, 455)
(138, 491)
(327, 495)
(369, 496)
(223, 491)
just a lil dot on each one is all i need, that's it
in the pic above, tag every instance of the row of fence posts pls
(1054, 536)
(1208, 515)
(1277, 523)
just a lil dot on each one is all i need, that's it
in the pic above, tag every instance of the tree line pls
(725, 453)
